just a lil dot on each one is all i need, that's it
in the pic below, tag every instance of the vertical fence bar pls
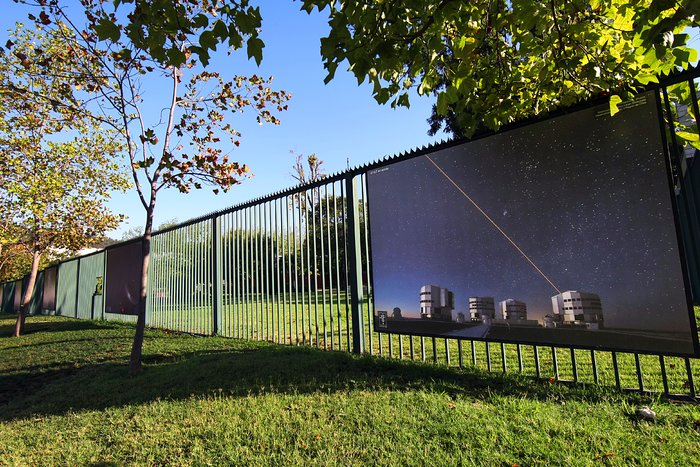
(355, 266)
(504, 365)
(216, 274)
(594, 366)
(638, 368)
(555, 363)
(460, 356)
(77, 287)
(473, 353)
(664, 377)
(574, 368)
(538, 371)
(616, 370)
(520, 358)
(691, 383)
(488, 356)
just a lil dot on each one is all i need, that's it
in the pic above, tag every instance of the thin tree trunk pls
(135, 365)
(19, 325)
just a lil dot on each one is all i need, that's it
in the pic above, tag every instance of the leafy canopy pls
(57, 166)
(494, 62)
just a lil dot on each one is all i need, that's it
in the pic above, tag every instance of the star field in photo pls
(585, 197)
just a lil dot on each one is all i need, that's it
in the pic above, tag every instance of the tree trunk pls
(135, 366)
(19, 325)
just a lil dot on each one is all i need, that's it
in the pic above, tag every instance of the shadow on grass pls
(245, 369)
(71, 324)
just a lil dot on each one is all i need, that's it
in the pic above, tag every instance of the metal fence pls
(294, 268)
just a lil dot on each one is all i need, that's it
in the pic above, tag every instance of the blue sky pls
(340, 122)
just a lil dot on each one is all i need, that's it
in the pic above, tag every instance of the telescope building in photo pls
(574, 308)
(436, 303)
(482, 309)
(512, 310)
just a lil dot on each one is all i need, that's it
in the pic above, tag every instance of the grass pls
(66, 399)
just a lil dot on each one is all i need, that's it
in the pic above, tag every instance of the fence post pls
(216, 274)
(355, 265)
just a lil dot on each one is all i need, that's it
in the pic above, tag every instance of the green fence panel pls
(180, 284)
(91, 271)
(48, 304)
(8, 297)
(66, 299)
(37, 295)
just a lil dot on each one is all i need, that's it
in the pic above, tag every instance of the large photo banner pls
(560, 232)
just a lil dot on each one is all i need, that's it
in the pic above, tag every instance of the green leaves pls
(615, 101)
(107, 30)
(490, 63)
(255, 48)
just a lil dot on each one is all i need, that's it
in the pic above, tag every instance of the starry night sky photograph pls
(584, 196)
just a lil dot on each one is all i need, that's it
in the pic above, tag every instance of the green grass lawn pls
(66, 399)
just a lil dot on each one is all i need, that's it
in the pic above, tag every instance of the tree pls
(315, 172)
(53, 189)
(494, 62)
(160, 39)
(305, 175)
